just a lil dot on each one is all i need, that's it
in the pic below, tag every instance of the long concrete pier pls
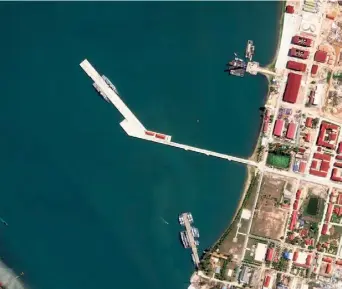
(133, 127)
(130, 123)
(191, 238)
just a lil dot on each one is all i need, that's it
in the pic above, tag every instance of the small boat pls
(181, 220)
(184, 239)
(195, 232)
(196, 242)
(4, 222)
(190, 218)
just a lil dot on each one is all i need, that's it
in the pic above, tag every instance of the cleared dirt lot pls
(269, 219)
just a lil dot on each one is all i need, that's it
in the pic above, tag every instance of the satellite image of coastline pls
(171, 144)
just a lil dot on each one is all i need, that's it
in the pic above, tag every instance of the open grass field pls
(278, 161)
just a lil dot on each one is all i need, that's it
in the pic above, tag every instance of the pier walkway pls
(254, 67)
(130, 123)
(205, 152)
(191, 238)
(134, 127)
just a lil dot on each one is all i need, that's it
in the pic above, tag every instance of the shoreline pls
(271, 65)
(248, 176)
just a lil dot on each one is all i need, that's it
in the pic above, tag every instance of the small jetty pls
(250, 48)
(236, 67)
(189, 236)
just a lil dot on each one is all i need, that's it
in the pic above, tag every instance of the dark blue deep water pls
(85, 202)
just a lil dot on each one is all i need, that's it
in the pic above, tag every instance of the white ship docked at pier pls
(189, 237)
(111, 86)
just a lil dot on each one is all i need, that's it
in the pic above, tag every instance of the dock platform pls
(254, 68)
(191, 238)
(133, 127)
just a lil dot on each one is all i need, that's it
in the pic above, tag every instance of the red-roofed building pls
(313, 164)
(308, 122)
(339, 262)
(293, 220)
(302, 166)
(308, 260)
(298, 193)
(295, 256)
(294, 65)
(325, 229)
(339, 149)
(291, 130)
(267, 281)
(295, 205)
(302, 41)
(339, 199)
(339, 158)
(294, 52)
(318, 173)
(325, 166)
(290, 9)
(339, 165)
(320, 56)
(328, 269)
(308, 137)
(327, 135)
(329, 212)
(327, 259)
(278, 127)
(292, 87)
(336, 176)
(265, 127)
(314, 69)
(269, 254)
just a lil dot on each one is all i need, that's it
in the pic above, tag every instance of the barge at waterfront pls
(236, 67)
(189, 236)
(250, 50)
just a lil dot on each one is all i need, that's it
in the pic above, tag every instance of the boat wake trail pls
(164, 221)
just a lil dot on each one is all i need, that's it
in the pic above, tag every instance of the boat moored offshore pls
(181, 220)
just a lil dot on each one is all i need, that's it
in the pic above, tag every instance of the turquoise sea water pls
(85, 202)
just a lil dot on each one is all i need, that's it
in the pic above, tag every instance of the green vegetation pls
(337, 76)
(279, 161)
(314, 228)
(312, 208)
(315, 122)
(328, 76)
(223, 272)
(205, 264)
(281, 265)
(335, 218)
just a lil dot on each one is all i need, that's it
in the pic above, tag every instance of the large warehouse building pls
(292, 87)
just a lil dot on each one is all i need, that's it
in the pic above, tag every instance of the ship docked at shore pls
(190, 235)
(236, 67)
(110, 84)
(249, 50)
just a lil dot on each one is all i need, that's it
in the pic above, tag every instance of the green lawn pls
(279, 161)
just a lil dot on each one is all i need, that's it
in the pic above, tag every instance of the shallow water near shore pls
(84, 202)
